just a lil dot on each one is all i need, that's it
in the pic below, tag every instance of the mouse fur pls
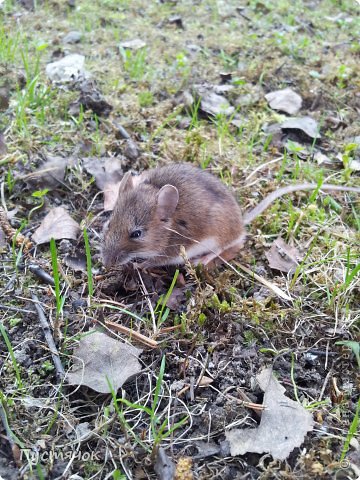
(167, 207)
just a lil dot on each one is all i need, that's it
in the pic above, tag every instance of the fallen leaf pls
(282, 256)
(3, 147)
(206, 449)
(164, 467)
(177, 297)
(51, 173)
(108, 173)
(321, 159)
(2, 239)
(57, 225)
(82, 431)
(283, 426)
(72, 37)
(69, 69)
(105, 170)
(211, 102)
(351, 163)
(135, 44)
(285, 100)
(306, 124)
(215, 104)
(354, 165)
(100, 360)
(111, 192)
(205, 381)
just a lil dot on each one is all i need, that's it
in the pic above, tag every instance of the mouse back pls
(167, 207)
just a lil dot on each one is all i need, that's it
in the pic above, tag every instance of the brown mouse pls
(165, 208)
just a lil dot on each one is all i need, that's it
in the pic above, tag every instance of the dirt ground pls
(162, 82)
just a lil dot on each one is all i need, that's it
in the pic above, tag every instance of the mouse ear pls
(126, 183)
(167, 200)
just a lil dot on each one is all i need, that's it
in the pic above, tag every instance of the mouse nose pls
(112, 258)
(108, 257)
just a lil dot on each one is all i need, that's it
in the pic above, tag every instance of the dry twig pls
(49, 338)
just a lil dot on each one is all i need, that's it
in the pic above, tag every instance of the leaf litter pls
(103, 363)
(57, 224)
(282, 256)
(285, 100)
(51, 173)
(307, 125)
(283, 425)
(108, 173)
(221, 327)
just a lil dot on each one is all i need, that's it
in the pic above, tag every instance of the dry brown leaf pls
(108, 172)
(164, 467)
(134, 44)
(285, 100)
(282, 256)
(212, 102)
(101, 360)
(307, 125)
(111, 192)
(104, 169)
(51, 173)
(177, 297)
(283, 426)
(3, 147)
(2, 238)
(57, 225)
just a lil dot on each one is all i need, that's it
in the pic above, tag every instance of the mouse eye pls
(135, 234)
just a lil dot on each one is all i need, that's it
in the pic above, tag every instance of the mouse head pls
(137, 226)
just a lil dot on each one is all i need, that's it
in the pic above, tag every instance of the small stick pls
(112, 302)
(14, 309)
(145, 292)
(42, 274)
(262, 280)
(49, 338)
(164, 330)
(130, 333)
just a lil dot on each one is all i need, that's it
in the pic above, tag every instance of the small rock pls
(176, 20)
(135, 44)
(72, 37)
(184, 123)
(285, 100)
(131, 150)
(69, 69)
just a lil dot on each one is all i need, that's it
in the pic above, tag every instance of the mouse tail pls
(250, 215)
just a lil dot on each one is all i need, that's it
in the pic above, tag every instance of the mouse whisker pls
(181, 235)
